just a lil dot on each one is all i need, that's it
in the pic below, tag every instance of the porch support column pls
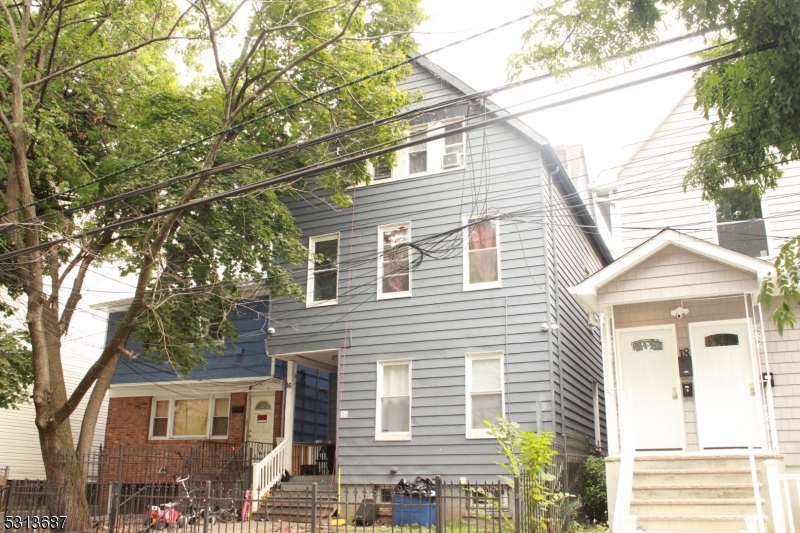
(609, 383)
(288, 422)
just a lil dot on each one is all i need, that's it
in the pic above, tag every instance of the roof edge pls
(562, 181)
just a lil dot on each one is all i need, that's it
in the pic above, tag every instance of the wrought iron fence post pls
(191, 464)
(207, 507)
(566, 463)
(314, 507)
(11, 502)
(517, 506)
(112, 515)
(119, 463)
(438, 499)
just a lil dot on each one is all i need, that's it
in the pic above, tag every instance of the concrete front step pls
(675, 476)
(693, 490)
(672, 462)
(698, 507)
(693, 523)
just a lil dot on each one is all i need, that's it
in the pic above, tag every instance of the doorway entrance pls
(648, 366)
(727, 390)
(261, 418)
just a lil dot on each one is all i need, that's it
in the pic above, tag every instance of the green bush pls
(594, 492)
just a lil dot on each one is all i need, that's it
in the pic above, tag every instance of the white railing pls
(269, 470)
(623, 521)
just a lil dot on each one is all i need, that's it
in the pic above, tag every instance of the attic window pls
(647, 345)
(721, 339)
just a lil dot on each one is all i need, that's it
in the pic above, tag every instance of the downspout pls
(558, 307)
(548, 294)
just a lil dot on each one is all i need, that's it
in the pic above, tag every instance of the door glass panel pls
(721, 339)
(263, 405)
(647, 345)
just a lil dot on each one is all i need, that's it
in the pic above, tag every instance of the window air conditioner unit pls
(455, 159)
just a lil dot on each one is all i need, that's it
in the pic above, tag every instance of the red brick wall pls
(129, 424)
(278, 418)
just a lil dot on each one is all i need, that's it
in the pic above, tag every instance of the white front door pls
(648, 364)
(727, 393)
(261, 417)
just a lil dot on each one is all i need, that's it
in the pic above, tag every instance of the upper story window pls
(190, 418)
(453, 148)
(393, 409)
(394, 261)
(428, 157)
(418, 154)
(481, 253)
(740, 224)
(323, 270)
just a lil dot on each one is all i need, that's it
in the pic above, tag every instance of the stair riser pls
(685, 493)
(691, 526)
(690, 464)
(691, 509)
(654, 478)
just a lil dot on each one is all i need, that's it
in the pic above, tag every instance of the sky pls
(608, 127)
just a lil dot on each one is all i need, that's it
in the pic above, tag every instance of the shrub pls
(594, 491)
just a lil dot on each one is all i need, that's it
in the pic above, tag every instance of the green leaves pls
(753, 101)
(531, 454)
(16, 367)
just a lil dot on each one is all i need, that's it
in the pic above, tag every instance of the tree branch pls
(14, 34)
(76, 294)
(167, 37)
(299, 60)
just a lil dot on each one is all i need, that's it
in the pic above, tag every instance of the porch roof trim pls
(325, 360)
(586, 291)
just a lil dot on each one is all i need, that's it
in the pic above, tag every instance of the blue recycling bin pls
(407, 510)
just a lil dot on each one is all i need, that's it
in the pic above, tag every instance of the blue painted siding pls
(244, 358)
(441, 322)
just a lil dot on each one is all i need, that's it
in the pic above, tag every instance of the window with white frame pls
(481, 253)
(323, 270)
(453, 147)
(187, 418)
(418, 154)
(394, 261)
(393, 405)
(740, 223)
(484, 385)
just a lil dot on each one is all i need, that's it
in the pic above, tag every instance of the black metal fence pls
(135, 491)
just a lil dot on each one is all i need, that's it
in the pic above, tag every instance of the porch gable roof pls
(586, 292)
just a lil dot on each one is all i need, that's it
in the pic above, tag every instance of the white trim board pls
(586, 291)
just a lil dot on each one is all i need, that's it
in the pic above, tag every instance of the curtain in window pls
(483, 252)
(396, 400)
(395, 260)
(190, 418)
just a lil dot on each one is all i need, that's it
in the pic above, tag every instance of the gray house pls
(441, 300)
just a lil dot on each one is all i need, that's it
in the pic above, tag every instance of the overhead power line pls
(330, 137)
(322, 168)
(263, 116)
